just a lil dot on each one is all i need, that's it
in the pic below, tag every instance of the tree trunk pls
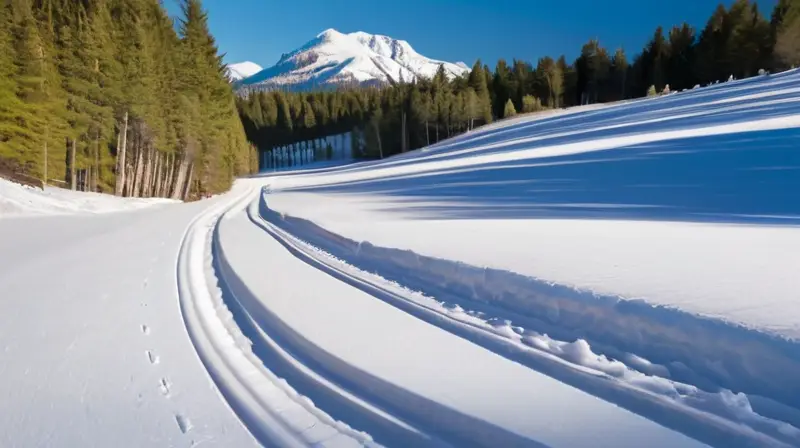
(167, 175)
(403, 135)
(147, 173)
(129, 177)
(121, 147)
(72, 179)
(96, 161)
(137, 181)
(157, 177)
(177, 187)
(188, 187)
(378, 135)
(44, 175)
(427, 134)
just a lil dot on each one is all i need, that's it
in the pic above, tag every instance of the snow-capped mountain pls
(333, 59)
(243, 70)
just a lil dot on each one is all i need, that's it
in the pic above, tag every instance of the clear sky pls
(451, 30)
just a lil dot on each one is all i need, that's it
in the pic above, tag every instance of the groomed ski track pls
(341, 358)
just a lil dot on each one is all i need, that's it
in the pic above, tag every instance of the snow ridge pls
(513, 315)
(273, 412)
(333, 59)
(242, 70)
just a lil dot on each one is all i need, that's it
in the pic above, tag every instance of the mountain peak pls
(334, 59)
(330, 34)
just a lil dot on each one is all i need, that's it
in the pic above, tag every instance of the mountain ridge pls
(334, 59)
(242, 70)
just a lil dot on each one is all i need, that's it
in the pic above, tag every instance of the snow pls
(242, 70)
(661, 232)
(426, 371)
(690, 177)
(334, 58)
(618, 275)
(22, 200)
(79, 327)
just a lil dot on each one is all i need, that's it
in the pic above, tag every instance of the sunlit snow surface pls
(21, 200)
(690, 200)
(662, 233)
(617, 276)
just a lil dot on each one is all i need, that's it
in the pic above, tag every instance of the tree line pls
(738, 41)
(108, 96)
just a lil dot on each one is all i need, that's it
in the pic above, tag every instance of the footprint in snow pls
(164, 386)
(152, 357)
(145, 329)
(184, 424)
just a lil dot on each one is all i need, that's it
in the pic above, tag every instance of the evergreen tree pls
(501, 87)
(680, 57)
(509, 110)
(478, 83)
(785, 29)
(619, 75)
(531, 104)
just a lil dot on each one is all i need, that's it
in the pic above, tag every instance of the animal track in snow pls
(152, 357)
(184, 424)
(145, 329)
(164, 386)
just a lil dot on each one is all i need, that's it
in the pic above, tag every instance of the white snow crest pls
(22, 200)
(334, 58)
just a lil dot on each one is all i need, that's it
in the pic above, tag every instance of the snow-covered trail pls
(403, 380)
(613, 276)
(94, 352)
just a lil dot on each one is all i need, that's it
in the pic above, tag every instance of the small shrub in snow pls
(666, 90)
(652, 91)
(531, 104)
(509, 110)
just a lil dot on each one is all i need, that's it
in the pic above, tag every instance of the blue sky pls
(452, 30)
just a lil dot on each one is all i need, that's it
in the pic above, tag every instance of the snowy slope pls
(93, 352)
(243, 70)
(607, 276)
(663, 230)
(21, 200)
(334, 58)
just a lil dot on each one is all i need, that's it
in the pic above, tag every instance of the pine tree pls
(501, 87)
(32, 91)
(619, 74)
(509, 110)
(785, 28)
(14, 113)
(531, 104)
(478, 82)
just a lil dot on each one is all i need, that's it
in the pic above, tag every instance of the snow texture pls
(22, 200)
(658, 235)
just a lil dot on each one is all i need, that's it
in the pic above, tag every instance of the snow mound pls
(21, 200)
(333, 59)
(243, 70)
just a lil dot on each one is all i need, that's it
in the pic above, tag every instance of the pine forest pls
(113, 96)
(740, 41)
